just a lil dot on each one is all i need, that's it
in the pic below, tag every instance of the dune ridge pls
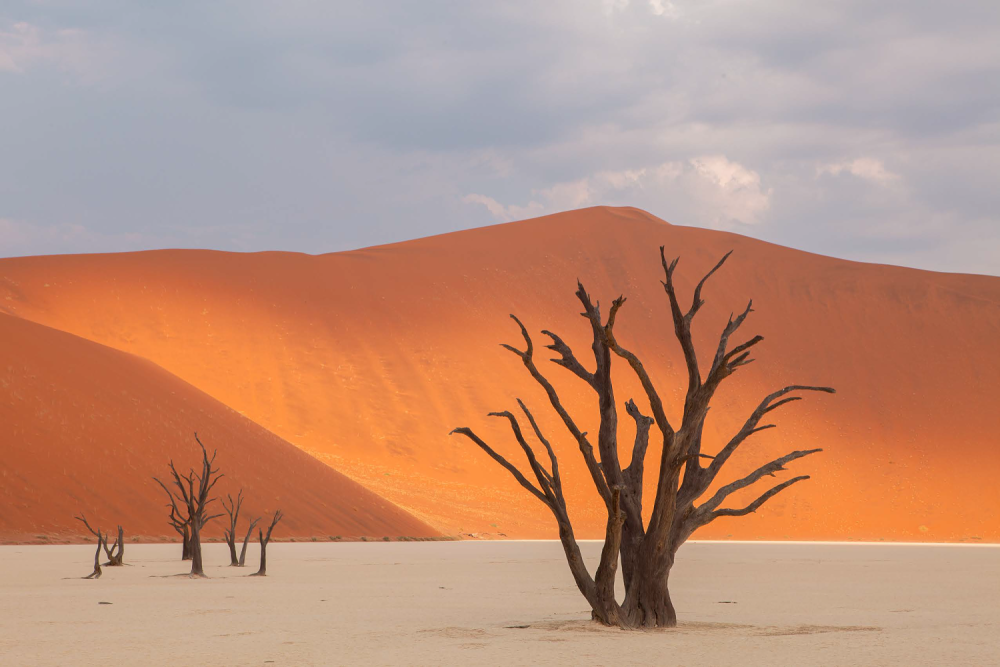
(367, 359)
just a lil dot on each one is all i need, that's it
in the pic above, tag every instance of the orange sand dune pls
(84, 428)
(367, 359)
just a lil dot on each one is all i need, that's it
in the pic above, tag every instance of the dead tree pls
(189, 502)
(233, 510)
(96, 574)
(646, 551)
(263, 544)
(115, 553)
(246, 539)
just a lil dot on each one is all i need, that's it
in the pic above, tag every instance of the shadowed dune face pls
(367, 359)
(85, 428)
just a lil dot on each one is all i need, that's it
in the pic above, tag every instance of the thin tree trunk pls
(233, 560)
(117, 555)
(246, 540)
(96, 574)
(197, 568)
(262, 571)
(186, 545)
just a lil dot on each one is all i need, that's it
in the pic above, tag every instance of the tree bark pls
(197, 566)
(262, 570)
(185, 544)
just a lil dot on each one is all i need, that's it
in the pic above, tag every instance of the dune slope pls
(85, 427)
(367, 359)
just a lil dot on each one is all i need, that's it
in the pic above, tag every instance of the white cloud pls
(24, 46)
(708, 190)
(865, 168)
(664, 8)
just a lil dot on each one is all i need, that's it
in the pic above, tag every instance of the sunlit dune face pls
(85, 428)
(367, 359)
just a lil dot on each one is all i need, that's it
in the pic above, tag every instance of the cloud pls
(325, 126)
(24, 46)
(713, 190)
(865, 168)
(664, 8)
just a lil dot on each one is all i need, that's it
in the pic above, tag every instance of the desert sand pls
(501, 603)
(367, 359)
(85, 428)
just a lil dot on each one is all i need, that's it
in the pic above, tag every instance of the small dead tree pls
(645, 550)
(189, 502)
(263, 544)
(233, 510)
(115, 553)
(246, 539)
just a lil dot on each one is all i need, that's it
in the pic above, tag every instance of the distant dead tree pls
(246, 539)
(116, 553)
(646, 551)
(263, 544)
(189, 502)
(233, 510)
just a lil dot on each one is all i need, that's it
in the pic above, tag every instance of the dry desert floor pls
(510, 603)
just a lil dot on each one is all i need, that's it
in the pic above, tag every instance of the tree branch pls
(767, 469)
(521, 479)
(750, 427)
(586, 449)
(542, 475)
(567, 359)
(752, 507)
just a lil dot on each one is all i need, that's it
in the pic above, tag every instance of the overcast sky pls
(864, 130)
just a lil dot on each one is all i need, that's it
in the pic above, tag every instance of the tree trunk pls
(96, 574)
(243, 551)
(117, 555)
(652, 607)
(197, 568)
(186, 545)
(647, 603)
(231, 541)
(246, 540)
(262, 572)
(632, 534)
(263, 560)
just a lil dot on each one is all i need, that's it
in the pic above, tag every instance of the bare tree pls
(646, 551)
(246, 539)
(115, 553)
(263, 544)
(233, 510)
(190, 500)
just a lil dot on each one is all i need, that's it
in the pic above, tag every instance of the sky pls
(863, 130)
